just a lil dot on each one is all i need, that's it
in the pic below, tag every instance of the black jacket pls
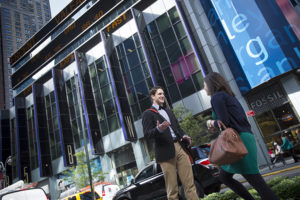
(164, 145)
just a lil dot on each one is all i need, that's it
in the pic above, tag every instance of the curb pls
(268, 174)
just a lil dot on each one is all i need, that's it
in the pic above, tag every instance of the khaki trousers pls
(179, 164)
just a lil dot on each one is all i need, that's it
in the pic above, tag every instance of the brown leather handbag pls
(227, 148)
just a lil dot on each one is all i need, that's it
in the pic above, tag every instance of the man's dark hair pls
(154, 89)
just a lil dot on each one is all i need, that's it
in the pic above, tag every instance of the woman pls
(288, 146)
(227, 109)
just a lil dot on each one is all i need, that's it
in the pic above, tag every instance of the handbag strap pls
(221, 125)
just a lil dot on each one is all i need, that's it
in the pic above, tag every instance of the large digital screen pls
(258, 37)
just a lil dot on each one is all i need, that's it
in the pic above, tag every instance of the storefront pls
(274, 113)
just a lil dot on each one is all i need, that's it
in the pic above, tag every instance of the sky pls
(57, 5)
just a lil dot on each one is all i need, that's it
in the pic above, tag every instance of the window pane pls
(186, 46)
(145, 69)
(141, 54)
(267, 123)
(285, 116)
(179, 30)
(163, 23)
(106, 93)
(174, 93)
(168, 36)
(104, 129)
(133, 60)
(157, 43)
(131, 96)
(141, 90)
(163, 59)
(109, 107)
(120, 50)
(173, 52)
(168, 76)
(198, 80)
(136, 111)
(129, 45)
(128, 80)
(152, 29)
(113, 123)
(137, 40)
(102, 73)
(174, 17)
(124, 64)
(186, 88)
(137, 74)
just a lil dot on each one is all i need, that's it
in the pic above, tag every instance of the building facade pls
(20, 20)
(89, 70)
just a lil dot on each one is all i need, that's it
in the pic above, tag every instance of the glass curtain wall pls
(53, 128)
(181, 72)
(74, 112)
(32, 138)
(135, 74)
(107, 112)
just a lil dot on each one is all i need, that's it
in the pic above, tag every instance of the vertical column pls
(118, 88)
(65, 130)
(23, 159)
(88, 104)
(43, 147)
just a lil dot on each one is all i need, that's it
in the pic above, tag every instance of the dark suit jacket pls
(164, 145)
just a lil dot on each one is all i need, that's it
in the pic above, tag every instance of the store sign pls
(267, 99)
(262, 52)
(250, 113)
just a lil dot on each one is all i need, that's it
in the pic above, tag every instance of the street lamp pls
(8, 161)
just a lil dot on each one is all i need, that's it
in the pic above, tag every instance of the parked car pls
(200, 155)
(107, 191)
(149, 183)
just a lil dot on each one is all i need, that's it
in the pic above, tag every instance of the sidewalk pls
(291, 169)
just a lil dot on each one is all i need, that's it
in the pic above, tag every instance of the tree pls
(195, 127)
(79, 173)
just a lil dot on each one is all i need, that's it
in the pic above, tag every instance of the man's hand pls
(163, 126)
(187, 138)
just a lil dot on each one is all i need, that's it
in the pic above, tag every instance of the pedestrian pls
(226, 108)
(278, 154)
(288, 146)
(161, 124)
(298, 135)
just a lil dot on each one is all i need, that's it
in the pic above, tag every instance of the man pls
(161, 125)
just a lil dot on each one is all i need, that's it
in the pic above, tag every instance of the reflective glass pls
(174, 93)
(113, 123)
(186, 88)
(173, 52)
(163, 59)
(141, 90)
(104, 128)
(137, 74)
(163, 23)
(133, 59)
(158, 45)
(129, 45)
(168, 37)
(109, 107)
(186, 46)
(179, 30)
(106, 93)
(152, 29)
(168, 76)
